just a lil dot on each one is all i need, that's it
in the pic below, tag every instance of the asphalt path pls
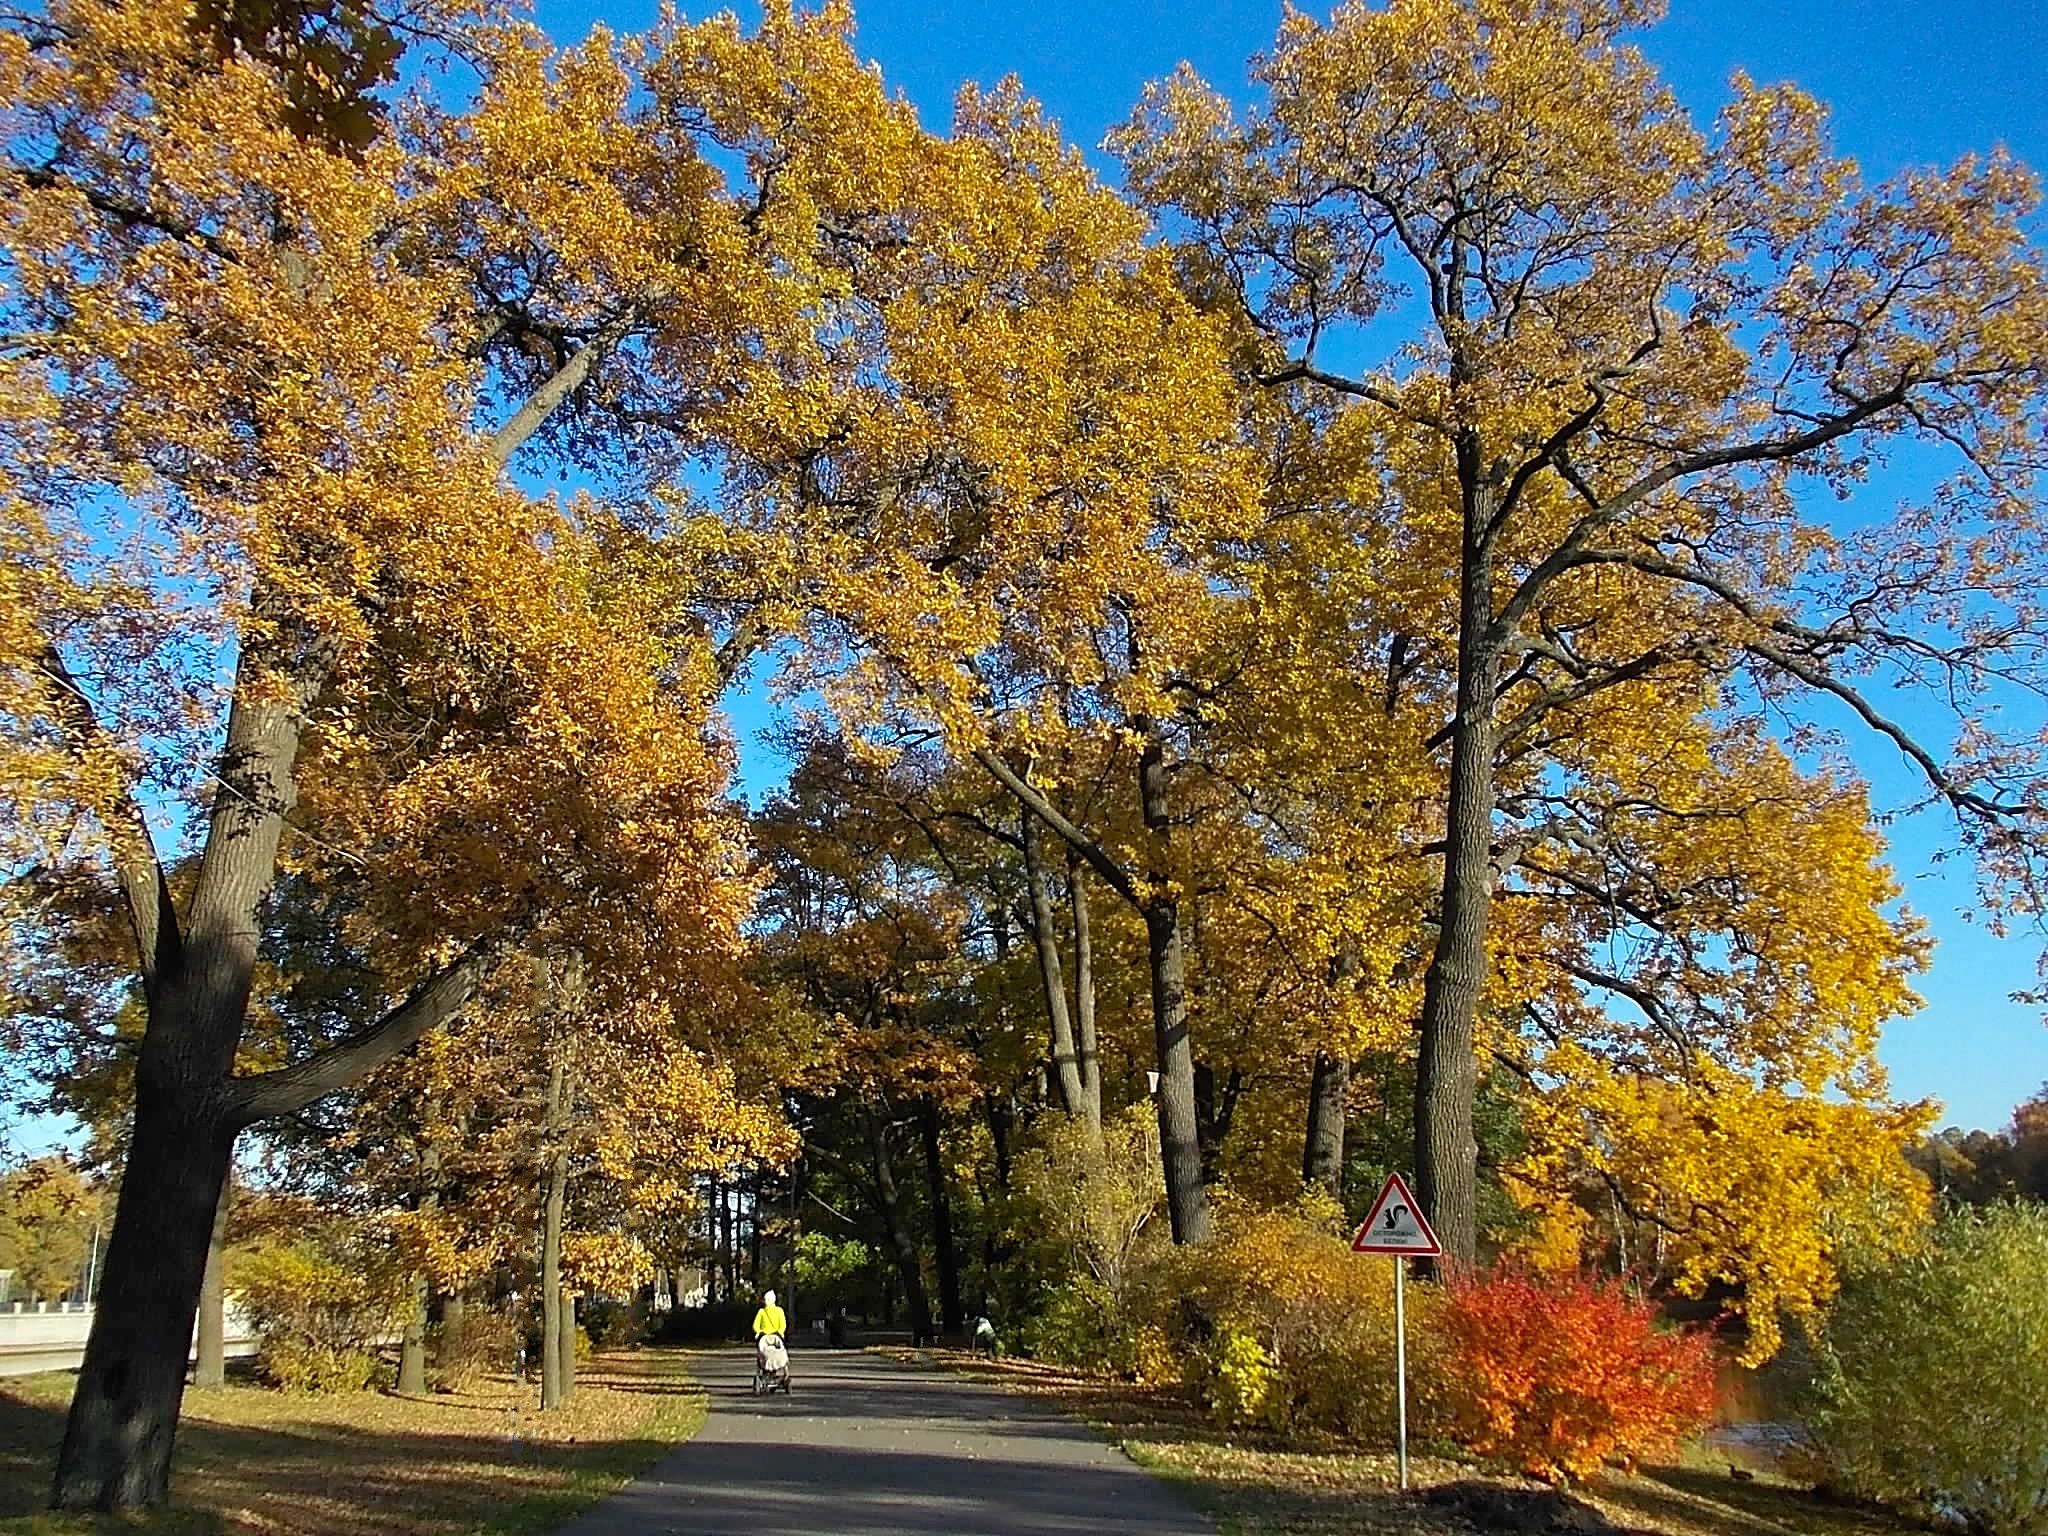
(863, 1446)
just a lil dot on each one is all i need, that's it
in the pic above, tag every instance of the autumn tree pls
(1633, 348)
(267, 359)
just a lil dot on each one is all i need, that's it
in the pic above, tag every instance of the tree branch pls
(267, 1095)
(1113, 874)
(145, 892)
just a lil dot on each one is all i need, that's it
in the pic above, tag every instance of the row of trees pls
(1333, 637)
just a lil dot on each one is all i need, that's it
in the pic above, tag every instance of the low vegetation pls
(478, 1462)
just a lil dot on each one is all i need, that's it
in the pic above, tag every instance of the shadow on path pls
(865, 1447)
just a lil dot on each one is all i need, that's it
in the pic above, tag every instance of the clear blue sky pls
(1911, 82)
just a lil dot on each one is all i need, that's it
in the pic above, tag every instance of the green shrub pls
(293, 1365)
(611, 1323)
(1077, 1326)
(487, 1344)
(319, 1300)
(1277, 1321)
(1933, 1373)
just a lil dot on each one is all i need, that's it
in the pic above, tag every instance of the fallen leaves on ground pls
(480, 1462)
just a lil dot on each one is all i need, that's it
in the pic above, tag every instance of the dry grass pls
(1258, 1486)
(477, 1463)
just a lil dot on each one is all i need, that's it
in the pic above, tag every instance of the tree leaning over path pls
(1635, 347)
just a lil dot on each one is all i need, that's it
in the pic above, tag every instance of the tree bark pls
(1066, 1062)
(1180, 1148)
(889, 1201)
(454, 1324)
(124, 1410)
(552, 1206)
(210, 1344)
(952, 1317)
(565, 1313)
(1322, 1153)
(1085, 1043)
(412, 1350)
(1447, 1074)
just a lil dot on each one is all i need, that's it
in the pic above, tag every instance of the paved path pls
(865, 1447)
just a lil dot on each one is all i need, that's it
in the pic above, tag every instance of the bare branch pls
(1113, 874)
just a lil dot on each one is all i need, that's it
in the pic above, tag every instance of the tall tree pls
(1632, 345)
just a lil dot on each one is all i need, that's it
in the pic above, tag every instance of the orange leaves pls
(1562, 1374)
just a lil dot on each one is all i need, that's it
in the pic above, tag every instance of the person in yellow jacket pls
(770, 1318)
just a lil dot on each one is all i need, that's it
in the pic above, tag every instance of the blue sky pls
(1910, 83)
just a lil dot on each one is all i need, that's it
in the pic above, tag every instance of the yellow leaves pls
(1769, 1190)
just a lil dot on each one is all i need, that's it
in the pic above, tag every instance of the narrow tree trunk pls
(565, 1313)
(454, 1324)
(1066, 1061)
(1322, 1154)
(412, 1350)
(210, 1347)
(712, 1206)
(754, 1231)
(1447, 1075)
(901, 1246)
(1180, 1148)
(1084, 993)
(551, 1242)
(999, 1116)
(950, 1311)
(725, 1245)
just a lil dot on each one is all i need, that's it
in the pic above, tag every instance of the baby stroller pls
(771, 1365)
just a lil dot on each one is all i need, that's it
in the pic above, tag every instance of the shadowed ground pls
(866, 1447)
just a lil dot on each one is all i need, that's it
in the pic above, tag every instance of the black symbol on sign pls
(1394, 1214)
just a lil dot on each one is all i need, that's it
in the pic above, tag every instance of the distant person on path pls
(770, 1319)
(984, 1336)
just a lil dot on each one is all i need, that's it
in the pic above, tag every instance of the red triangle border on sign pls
(1395, 1188)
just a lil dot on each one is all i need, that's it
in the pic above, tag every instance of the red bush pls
(1561, 1374)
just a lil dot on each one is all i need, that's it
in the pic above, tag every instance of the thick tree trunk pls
(1322, 1153)
(1066, 1062)
(1180, 1143)
(552, 1205)
(210, 1344)
(1447, 1074)
(124, 1410)
(951, 1315)
(1084, 993)
(889, 1200)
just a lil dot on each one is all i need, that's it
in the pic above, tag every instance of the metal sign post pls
(1395, 1227)
(1401, 1367)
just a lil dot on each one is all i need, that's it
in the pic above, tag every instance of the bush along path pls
(479, 1461)
(1254, 1483)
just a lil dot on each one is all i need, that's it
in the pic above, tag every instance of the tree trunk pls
(951, 1314)
(889, 1200)
(1180, 1149)
(124, 1412)
(454, 1324)
(1447, 1072)
(210, 1346)
(725, 1245)
(999, 1116)
(1084, 993)
(565, 1312)
(551, 1242)
(412, 1350)
(1066, 1062)
(124, 1409)
(1322, 1154)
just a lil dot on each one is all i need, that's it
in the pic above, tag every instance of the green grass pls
(481, 1462)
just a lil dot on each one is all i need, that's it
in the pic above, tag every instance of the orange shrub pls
(1559, 1374)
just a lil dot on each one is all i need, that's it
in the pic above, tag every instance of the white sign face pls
(1396, 1225)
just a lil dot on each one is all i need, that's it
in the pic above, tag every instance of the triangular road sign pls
(1395, 1225)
